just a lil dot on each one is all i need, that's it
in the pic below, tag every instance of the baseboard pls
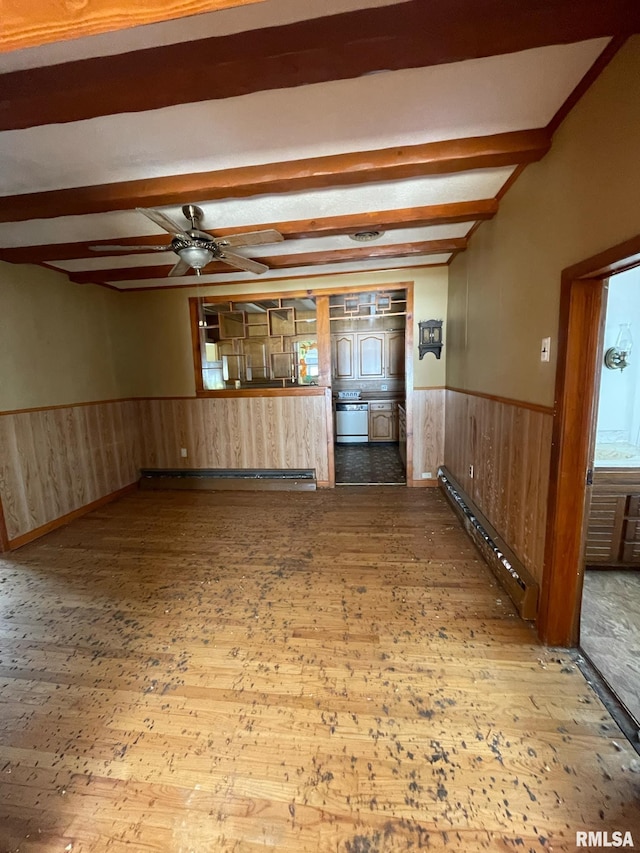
(4, 538)
(513, 576)
(423, 484)
(37, 532)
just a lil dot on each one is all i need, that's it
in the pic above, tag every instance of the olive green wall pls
(56, 339)
(154, 355)
(582, 198)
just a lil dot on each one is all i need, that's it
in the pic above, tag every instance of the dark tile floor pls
(360, 464)
(610, 631)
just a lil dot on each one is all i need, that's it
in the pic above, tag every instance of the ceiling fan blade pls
(180, 268)
(243, 263)
(250, 238)
(163, 221)
(130, 248)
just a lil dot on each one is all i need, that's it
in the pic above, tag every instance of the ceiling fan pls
(195, 248)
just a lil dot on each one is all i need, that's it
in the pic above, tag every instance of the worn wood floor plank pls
(325, 671)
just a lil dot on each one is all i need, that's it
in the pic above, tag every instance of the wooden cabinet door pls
(604, 531)
(380, 426)
(343, 356)
(371, 351)
(383, 422)
(394, 360)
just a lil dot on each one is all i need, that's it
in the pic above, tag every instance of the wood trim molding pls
(302, 391)
(389, 164)
(37, 532)
(430, 388)
(4, 536)
(521, 404)
(422, 484)
(67, 406)
(408, 379)
(581, 300)
(281, 262)
(328, 226)
(580, 313)
(331, 460)
(275, 279)
(619, 258)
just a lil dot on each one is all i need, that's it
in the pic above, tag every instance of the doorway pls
(609, 631)
(579, 351)
(368, 374)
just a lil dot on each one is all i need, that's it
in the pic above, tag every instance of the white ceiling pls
(391, 112)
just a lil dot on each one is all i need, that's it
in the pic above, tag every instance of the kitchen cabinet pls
(394, 355)
(383, 421)
(613, 528)
(343, 357)
(368, 355)
(371, 353)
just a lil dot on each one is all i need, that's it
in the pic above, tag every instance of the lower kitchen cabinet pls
(383, 421)
(613, 528)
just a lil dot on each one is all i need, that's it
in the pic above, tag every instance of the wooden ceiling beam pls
(34, 22)
(348, 45)
(334, 170)
(280, 262)
(329, 226)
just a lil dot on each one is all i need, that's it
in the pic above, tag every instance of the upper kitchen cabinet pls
(367, 335)
(343, 356)
(371, 351)
(394, 354)
(368, 355)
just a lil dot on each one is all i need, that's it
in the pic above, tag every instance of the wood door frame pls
(579, 344)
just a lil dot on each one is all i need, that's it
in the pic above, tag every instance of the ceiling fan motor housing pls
(193, 213)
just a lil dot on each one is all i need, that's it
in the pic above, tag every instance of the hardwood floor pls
(303, 671)
(610, 631)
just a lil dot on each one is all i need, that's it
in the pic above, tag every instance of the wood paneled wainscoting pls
(508, 444)
(60, 461)
(240, 432)
(427, 431)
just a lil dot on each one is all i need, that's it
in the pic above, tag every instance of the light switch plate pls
(545, 349)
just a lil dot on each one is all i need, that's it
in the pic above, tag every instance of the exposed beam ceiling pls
(318, 120)
(434, 158)
(302, 53)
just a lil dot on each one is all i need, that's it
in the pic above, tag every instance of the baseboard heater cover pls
(513, 576)
(303, 479)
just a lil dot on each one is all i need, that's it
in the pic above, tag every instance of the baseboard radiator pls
(512, 575)
(228, 479)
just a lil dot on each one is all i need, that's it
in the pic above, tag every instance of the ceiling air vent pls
(365, 236)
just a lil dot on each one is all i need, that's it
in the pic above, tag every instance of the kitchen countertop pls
(373, 396)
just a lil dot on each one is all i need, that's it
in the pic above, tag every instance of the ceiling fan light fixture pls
(366, 236)
(196, 256)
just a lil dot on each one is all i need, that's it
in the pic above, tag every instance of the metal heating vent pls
(228, 478)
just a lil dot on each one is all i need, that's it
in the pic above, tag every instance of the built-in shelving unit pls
(267, 343)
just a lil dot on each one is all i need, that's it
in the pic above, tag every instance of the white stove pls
(349, 395)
